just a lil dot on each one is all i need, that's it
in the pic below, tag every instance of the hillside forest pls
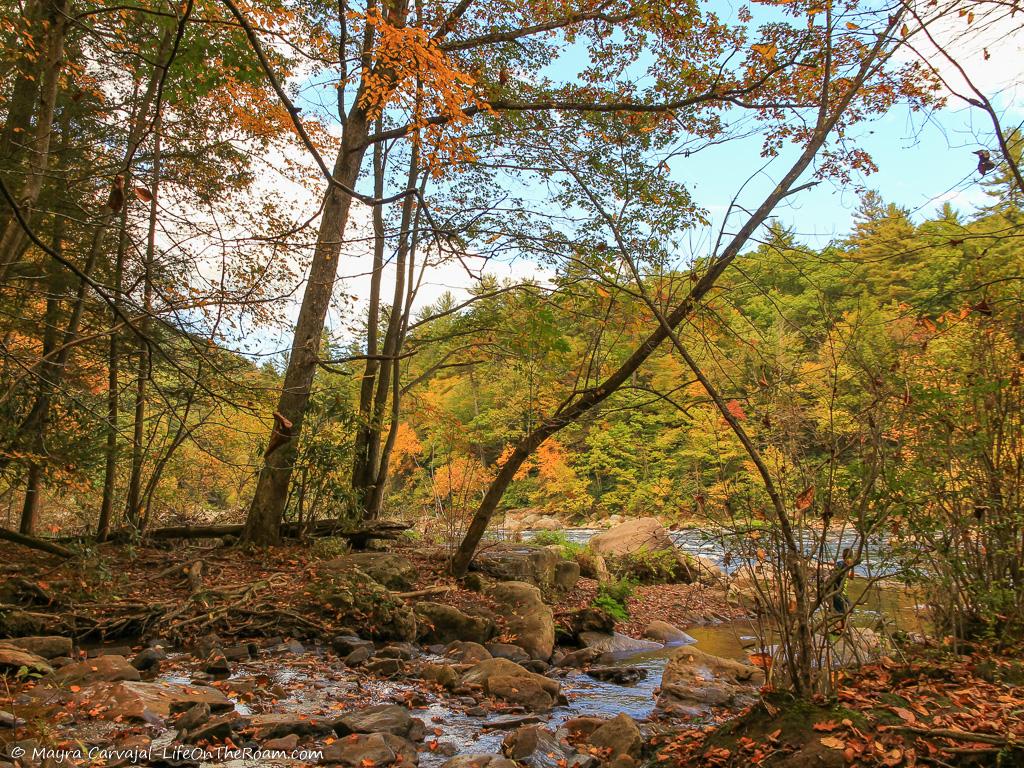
(384, 327)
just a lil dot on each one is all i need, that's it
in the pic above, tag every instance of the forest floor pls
(933, 708)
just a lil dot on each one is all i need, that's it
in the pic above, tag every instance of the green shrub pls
(612, 597)
(569, 549)
(663, 566)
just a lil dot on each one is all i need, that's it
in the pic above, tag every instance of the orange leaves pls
(412, 73)
(766, 51)
(805, 499)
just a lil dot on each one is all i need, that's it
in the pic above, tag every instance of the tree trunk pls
(267, 508)
(133, 504)
(12, 237)
(113, 392)
(362, 459)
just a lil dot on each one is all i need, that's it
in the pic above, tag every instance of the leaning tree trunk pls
(828, 117)
(267, 508)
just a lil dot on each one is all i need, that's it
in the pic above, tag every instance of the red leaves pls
(736, 410)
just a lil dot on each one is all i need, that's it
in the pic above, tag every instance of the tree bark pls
(267, 508)
(12, 236)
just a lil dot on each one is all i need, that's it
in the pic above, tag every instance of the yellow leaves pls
(766, 51)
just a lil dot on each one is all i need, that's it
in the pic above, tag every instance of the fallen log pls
(33, 543)
(378, 530)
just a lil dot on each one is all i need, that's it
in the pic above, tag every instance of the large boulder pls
(694, 681)
(646, 533)
(520, 562)
(393, 571)
(642, 550)
(509, 681)
(439, 623)
(356, 599)
(529, 620)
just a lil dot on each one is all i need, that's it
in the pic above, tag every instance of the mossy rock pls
(355, 599)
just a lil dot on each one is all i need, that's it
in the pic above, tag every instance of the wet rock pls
(441, 623)
(669, 634)
(146, 701)
(521, 691)
(287, 647)
(536, 665)
(393, 571)
(748, 641)
(283, 744)
(538, 747)
(618, 736)
(693, 681)
(101, 669)
(370, 751)
(148, 658)
(521, 563)
(442, 674)
(529, 620)
(618, 675)
(384, 718)
(584, 657)
(383, 667)
(507, 680)
(277, 725)
(479, 761)
(13, 659)
(214, 730)
(193, 717)
(343, 645)
(217, 664)
(617, 643)
(507, 651)
(578, 729)
(46, 646)
(466, 652)
(508, 722)
(403, 651)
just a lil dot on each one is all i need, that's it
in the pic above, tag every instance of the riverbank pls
(209, 655)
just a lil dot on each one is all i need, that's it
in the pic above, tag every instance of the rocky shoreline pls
(412, 671)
